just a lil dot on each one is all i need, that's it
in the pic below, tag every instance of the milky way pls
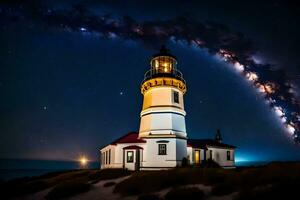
(219, 40)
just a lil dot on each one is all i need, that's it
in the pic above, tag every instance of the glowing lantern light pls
(156, 64)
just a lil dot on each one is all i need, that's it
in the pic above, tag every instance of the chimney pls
(218, 136)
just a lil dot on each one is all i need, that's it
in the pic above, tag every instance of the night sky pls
(67, 89)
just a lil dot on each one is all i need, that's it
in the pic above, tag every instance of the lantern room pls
(163, 62)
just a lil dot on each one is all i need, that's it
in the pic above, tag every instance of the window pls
(129, 156)
(210, 154)
(103, 159)
(228, 155)
(106, 157)
(176, 97)
(162, 149)
(109, 156)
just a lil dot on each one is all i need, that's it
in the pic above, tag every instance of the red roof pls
(133, 147)
(131, 137)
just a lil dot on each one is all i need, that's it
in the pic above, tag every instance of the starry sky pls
(67, 93)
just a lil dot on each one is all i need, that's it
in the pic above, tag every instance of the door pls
(197, 157)
(137, 160)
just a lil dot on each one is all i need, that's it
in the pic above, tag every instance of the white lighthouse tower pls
(162, 141)
(163, 117)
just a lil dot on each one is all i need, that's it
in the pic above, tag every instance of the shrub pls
(151, 181)
(191, 193)
(210, 163)
(108, 184)
(222, 189)
(286, 190)
(184, 162)
(106, 174)
(148, 197)
(68, 189)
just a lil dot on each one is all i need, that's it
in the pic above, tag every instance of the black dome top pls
(164, 52)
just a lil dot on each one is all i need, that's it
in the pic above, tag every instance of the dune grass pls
(24, 186)
(190, 193)
(223, 181)
(147, 182)
(274, 180)
(68, 189)
(109, 184)
(148, 197)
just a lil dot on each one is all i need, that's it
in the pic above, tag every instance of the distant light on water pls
(83, 161)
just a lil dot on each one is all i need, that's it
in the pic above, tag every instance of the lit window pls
(129, 156)
(162, 149)
(156, 64)
(228, 155)
(176, 97)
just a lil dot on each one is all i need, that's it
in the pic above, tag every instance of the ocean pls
(18, 168)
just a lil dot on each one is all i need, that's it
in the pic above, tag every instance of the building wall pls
(107, 156)
(162, 96)
(150, 159)
(220, 156)
(176, 150)
(191, 155)
(161, 114)
(162, 123)
(117, 155)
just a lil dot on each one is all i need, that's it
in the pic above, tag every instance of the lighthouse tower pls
(163, 117)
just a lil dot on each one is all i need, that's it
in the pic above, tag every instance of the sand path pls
(99, 192)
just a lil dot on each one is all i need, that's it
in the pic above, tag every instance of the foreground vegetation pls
(63, 184)
(276, 181)
(273, 181)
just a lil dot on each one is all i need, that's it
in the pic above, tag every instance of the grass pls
(223, 189)
(148, 197)
(274, 180)
(108, 174)
(24, 186)
(109, 184)
(223, 181)
(147, 182)
(68, 189)
(191, 193)
(277, 191)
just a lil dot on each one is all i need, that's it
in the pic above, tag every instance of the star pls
(121, 93)
(45, 108)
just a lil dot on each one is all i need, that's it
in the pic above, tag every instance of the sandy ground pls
(99, 192)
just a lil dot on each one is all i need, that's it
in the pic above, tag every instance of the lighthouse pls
(161, 142)
(162, 122)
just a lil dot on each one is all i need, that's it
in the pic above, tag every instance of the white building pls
(162, 140)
